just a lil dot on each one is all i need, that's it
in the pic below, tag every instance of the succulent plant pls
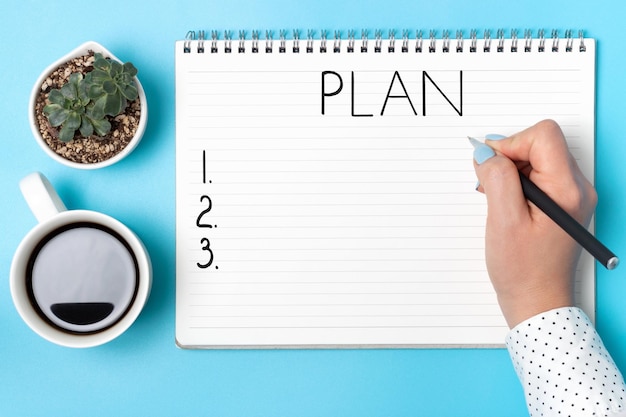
(110, 84)
(84, 102)
(71, 108)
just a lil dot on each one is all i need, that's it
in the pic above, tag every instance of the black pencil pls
(577, 231)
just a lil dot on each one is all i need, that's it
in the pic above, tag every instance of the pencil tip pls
(475, 143)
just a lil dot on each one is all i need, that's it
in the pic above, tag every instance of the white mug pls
(79, 278)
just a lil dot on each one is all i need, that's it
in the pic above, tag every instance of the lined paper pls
(328, 199)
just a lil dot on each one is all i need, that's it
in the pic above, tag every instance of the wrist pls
(521, 308)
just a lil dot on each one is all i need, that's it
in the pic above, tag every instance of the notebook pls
(325, 193)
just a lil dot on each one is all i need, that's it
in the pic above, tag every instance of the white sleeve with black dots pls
(564, 368)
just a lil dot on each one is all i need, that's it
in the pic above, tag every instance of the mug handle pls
(41, 196)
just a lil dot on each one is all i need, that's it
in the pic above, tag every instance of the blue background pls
(142, 372)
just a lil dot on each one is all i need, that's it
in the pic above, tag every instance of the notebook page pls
(328, 199)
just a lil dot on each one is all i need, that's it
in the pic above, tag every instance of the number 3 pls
(207, 247)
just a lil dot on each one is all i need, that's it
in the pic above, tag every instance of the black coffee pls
(82, 278)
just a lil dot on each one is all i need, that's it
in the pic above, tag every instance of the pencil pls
(577, 231)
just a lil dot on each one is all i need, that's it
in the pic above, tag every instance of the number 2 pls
(205, 211)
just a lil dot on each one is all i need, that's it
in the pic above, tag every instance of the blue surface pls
(142, 372)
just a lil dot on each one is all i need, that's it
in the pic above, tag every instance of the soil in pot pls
(94, 148)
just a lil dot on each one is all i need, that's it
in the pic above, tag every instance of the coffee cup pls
(79, 278)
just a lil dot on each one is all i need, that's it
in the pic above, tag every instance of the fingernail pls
(477, 185)
(482, 152)
(495, 136)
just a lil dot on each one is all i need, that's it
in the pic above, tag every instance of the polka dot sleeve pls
(564, 368)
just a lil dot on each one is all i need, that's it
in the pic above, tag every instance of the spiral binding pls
(406, 44)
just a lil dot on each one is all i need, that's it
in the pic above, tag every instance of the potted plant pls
(88, 110)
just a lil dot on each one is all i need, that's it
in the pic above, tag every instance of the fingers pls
(499, 180)
(541, 152)
(543, 146)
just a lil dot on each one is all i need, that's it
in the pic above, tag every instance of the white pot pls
(82, 50)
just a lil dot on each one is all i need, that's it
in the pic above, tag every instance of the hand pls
(531, 261)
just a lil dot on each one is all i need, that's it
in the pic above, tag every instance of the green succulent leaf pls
(55, 97)
(66, 134)
(96, 109)
(123, 79)
(102, 127)
(83, 95)
(75, 78)
(98, 76)
(130, 69)
(130, 92)
(114, 104)
(69, 91)
(57, 115)
(73, 120)
(109, 87)
(100, 62)
(116, 69)
(86, 127)
(95, 91)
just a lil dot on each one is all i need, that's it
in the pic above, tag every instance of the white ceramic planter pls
(82, 50)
